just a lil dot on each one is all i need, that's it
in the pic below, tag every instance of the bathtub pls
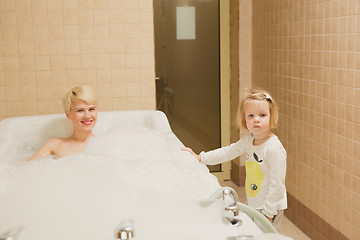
(131, 175)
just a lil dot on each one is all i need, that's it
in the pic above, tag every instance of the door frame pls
(225, 75)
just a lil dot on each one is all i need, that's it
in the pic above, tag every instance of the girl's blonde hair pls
(257, 95)
(81, 92)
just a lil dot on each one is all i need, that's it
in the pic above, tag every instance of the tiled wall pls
(47, 46)
(307, 54)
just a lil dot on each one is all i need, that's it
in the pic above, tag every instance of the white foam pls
(129, 173)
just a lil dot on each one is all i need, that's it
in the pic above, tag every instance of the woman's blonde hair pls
(257, 95)
(81, 92)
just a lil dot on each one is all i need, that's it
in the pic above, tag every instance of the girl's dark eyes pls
(261, 115)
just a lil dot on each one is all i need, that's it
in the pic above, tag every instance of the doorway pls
(187, 60)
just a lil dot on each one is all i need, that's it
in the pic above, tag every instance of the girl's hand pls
(270, 219)
(192, 153)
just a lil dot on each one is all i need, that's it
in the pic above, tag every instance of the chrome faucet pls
(233, 207)
(12, 234)
(124, 233)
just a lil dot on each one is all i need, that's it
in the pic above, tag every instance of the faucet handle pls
(233, 208)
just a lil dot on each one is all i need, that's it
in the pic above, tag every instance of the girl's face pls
(83, 115)
(257, 116)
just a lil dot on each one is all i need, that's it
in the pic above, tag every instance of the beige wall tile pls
(70, 4)
(120, 104)
(102, 32)
(12, 79)
(103, 76)
(43, 78)
(38, 4)
(73, 77)
(87, 47)
(49, 45)
(102, 46)
(146, 60)
(100, 4)
(28, 93)
(86, 16)
(71, 32)
(14, 108)
(118, 46)
(30, 107)
(55, 17)
(8, 17)
(88, 76)
(119, 90)
(27, 63)
(148, 89)
(117, 31)
(54, 4)
(147, 75)
(73, 62)
(133, 89)
(103, 90)
(72, 47)
(318, 43)
(45, 107)
(101, 16)
(10, 49)
(11, 64)
(27, 78)
(71, 17)
(118, 75)
(131, 45)
(88, 61)
(146, 46)
(26, 48)
(58, 77)
(23, 17)
(13, 94)
(56, 32)
(103, 61)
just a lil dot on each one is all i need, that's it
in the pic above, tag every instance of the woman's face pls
(83, 115)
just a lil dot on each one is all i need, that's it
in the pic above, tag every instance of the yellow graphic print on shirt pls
(254, 177)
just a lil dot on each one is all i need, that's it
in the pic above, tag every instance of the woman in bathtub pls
(80, 107)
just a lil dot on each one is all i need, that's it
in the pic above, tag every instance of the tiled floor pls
(286, 227)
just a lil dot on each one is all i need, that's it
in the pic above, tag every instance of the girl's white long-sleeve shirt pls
(265, 171)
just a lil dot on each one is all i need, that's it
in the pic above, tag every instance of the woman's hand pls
(186, 149)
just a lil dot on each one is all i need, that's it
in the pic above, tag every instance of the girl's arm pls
(221, 155)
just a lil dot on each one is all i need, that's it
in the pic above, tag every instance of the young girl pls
(80, 107)
(265, 157)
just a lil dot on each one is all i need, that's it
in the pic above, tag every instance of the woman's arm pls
(45, 150)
